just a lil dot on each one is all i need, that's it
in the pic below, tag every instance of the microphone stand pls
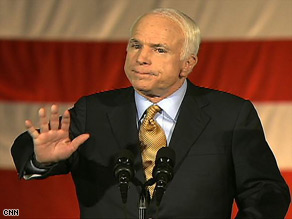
(144, 198)
(142, 205)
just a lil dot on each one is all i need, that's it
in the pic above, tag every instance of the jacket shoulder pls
(108, 98)
(212, 95)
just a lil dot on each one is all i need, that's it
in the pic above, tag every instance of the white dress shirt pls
(170, 109)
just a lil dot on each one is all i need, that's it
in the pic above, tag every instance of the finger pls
(31, 130)
(79, 141)
(44, 126)
(54, 120)
(65, 121)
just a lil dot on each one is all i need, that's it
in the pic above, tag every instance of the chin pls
(141, 85)
(143, 90)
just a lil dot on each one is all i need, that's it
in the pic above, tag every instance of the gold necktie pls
(152, 138)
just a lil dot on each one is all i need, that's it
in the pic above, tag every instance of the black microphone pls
(163, 171)
(124, 171)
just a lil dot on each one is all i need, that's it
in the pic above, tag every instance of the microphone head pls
(165, 152)
(164, 163)
(124, 164)
(125, 153)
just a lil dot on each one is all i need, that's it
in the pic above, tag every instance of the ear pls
(188, 66)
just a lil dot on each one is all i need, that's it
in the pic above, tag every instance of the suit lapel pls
(191, 122)
(123, 121)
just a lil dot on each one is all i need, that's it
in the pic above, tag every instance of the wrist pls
(39, 165)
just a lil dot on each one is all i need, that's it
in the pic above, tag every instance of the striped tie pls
(152, 138)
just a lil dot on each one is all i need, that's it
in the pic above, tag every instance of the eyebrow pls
(153, 45)
(159, 45)
(133, 40)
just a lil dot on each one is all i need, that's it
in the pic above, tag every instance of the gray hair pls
(188, 25)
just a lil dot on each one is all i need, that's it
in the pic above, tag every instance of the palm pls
(52, 143)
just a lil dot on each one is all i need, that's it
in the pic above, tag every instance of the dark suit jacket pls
(221, 155)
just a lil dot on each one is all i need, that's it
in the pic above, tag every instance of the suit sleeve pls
(261, 190)
(22, 148)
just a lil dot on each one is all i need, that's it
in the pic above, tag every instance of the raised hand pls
(52, 143)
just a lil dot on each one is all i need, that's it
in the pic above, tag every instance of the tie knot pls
(151, 111)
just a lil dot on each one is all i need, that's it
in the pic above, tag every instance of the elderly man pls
(221, 151)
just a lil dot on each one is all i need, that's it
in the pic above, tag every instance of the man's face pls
(153, 63)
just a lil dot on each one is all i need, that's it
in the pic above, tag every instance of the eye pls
(160, 50)
(135, 45)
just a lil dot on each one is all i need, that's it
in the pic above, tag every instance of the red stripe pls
(258, 70)
(64, 71)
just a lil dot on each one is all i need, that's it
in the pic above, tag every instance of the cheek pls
(170, 70)
(127, 64)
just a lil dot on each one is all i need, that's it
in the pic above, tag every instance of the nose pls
(143, 57)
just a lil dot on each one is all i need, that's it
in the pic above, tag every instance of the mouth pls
(144, 73)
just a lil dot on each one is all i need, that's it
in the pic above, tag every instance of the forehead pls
(158, 28)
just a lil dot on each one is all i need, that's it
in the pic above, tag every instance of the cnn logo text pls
(11, 212)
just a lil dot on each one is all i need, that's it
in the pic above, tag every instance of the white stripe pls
(111, 19)
(276, 119)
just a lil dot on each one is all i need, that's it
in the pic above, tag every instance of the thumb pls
(79, 141)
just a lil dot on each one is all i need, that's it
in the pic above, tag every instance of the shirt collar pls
(170, 105)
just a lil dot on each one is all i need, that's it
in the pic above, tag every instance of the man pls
(221, 152)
